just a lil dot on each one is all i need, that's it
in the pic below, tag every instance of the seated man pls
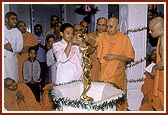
(18, 97)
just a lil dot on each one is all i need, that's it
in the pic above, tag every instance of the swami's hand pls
(20, 97)
(153, 73)
(109, 57)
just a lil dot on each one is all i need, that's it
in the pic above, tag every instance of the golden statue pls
(86, 49)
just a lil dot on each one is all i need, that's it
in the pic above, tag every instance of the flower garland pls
(87, 105)
(136, 30)
(68, 82)
(135, 81)
(137, 62)
(134, 64)
(57, 102)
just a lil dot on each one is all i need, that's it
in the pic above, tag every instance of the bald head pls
(112, 26)
(113, 19)
(157, 22)
(156, 27)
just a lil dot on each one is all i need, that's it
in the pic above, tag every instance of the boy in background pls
(31, 72)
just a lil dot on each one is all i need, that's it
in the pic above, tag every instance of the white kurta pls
(51, 63)
(15, 38)
(68, 68)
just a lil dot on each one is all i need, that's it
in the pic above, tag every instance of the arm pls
(59, 52)
(160, 64)
(18, 43)
(76, 40)
(37, 72)
(68, 48)
(99, 49)
(43, 46)
(26, 77)
(91, 39)
(110, 57)
(50, 58)
(123, 59)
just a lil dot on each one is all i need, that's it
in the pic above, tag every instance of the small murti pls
(66, 97)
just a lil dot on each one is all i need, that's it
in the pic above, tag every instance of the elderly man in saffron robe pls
(114, 52)
(19, 97)
(156, 29)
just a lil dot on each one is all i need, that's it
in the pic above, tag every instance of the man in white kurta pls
(68, 68)
(13, 44)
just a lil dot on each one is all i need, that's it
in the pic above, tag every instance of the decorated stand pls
(84, 95)
(66, 97)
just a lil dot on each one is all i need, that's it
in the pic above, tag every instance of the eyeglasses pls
(11, 83)
(78, 30)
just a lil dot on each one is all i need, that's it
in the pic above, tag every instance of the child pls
(67, 53)
(51, 60)
(31, 72)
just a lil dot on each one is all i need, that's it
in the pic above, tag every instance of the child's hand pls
(77, 40)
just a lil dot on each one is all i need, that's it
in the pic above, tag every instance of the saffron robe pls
(95, 70)
(29, 40)
(158, 99)
(118, 44)
(147, 89)
(29, 102)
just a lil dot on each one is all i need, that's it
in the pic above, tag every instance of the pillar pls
(133, 18)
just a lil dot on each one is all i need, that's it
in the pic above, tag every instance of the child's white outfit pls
(68, 68)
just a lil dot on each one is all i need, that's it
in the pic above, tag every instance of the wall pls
(32, 14)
